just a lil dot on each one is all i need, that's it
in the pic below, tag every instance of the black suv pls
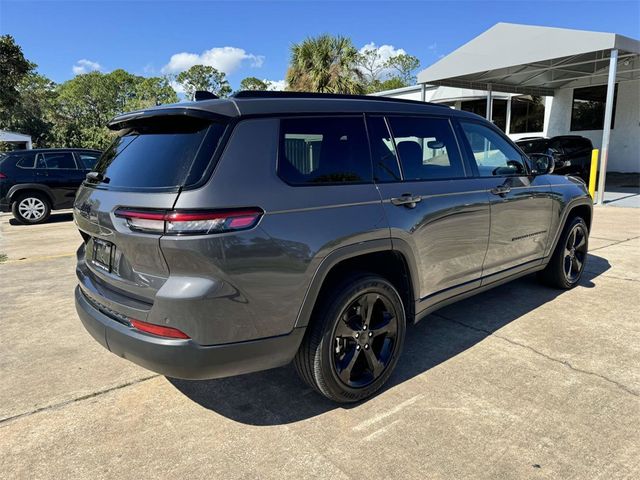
(228, 236)
(34, 182)
(572, 153)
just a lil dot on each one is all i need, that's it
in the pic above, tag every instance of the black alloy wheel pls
(575, 253)
(354, 338)
(566, 266)
(365, 339)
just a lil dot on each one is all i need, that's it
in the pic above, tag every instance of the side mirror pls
(541, 163)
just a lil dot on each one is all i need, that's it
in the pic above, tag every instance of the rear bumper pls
(185, 358)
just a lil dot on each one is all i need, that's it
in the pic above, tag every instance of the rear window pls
(324, 150)
(160, 155)
(25, 161)
(89, 160)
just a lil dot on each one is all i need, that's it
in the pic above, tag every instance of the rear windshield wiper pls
(97, 177)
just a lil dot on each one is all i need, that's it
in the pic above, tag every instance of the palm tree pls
(325, 64)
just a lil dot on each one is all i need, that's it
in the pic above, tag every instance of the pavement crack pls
(615, 277)
(542, 354)
(54, 406)
(611, 244)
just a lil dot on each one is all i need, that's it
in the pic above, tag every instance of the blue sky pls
(253, 38)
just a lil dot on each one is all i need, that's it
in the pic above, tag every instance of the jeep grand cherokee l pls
(228, 236)
(34, 182)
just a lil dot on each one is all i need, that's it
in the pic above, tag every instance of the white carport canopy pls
(13, 137)
(534, 60)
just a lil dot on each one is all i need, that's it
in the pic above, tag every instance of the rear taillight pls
(159, 330)
(190, 223)
(2, 175)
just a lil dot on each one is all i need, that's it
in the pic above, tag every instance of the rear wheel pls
(31, 208)
(567, 263)
(354, 340)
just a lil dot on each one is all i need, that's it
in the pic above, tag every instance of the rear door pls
(143, 170)
(432, 204)
(521, 204)
(61, 174)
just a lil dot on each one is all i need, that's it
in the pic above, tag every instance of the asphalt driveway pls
(519, 382)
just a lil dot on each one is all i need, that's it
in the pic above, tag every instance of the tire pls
(566, 266)
(347, 355)
(31, 208)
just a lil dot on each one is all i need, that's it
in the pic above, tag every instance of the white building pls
(545, 81)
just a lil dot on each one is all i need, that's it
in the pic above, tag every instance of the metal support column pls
(606, 128)
(489, 102)
(423, 92)
(507, 128)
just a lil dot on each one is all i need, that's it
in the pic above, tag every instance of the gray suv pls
(228, 236)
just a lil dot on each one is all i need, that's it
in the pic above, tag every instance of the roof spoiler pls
(129, 120)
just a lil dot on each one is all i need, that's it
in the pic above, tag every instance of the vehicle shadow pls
(54, 218)
(277, 396)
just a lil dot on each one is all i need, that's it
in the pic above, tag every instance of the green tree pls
(405, 65)
(325, 64)
(13, 69)
(152, 91)
(33, 113)
(390, 83)
(371, 64)
(85, 104)
(253, 83)
(203, 77)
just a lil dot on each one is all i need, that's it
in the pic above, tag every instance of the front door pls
(431, 203)
(521, 204)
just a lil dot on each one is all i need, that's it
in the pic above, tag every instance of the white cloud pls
(177, 87)
(276, 85)
(225, 59)
(385, 52)
(85, 66)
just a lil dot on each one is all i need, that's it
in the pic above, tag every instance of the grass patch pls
(3, 257)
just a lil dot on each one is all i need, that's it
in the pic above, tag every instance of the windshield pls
(533, 146)
(160, 155)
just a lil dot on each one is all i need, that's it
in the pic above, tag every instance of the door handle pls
(501, 190)
(406, 200)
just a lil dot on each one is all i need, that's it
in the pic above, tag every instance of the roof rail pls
(337, 96)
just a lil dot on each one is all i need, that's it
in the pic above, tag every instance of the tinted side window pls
(60, 160)
(493, 154)
(383, 151)
(427, 148)
(89, 159)
(26, 161)
(324, 150)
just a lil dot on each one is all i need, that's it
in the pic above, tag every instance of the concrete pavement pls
(519, 382)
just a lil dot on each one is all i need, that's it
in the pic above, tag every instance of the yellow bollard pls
(593, 172)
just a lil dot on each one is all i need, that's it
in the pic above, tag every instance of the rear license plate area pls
(102, 254)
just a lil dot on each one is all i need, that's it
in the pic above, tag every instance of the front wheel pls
(354, 339)
(567, 263)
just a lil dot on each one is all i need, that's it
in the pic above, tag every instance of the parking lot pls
(519, 382)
